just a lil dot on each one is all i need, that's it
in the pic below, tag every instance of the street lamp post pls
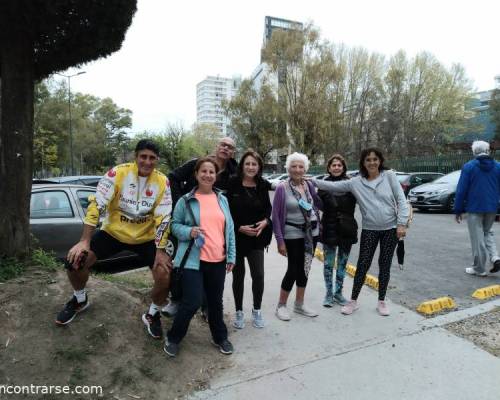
(69, 112)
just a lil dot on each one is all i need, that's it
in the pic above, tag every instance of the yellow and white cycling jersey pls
(135, 210)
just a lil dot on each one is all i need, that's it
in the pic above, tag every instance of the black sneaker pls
(496, 267)
(153, 324)
(171, 349)
(225, 346)
(70, 310)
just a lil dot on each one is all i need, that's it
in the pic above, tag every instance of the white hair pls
(480, 147)
(297, 157)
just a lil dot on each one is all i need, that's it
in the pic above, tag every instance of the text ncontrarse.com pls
(49, 389)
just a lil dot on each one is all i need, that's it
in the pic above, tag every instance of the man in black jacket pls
(182, 181)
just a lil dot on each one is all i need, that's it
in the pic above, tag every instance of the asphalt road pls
(437, 253)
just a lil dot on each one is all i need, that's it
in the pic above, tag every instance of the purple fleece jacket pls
(279, 209)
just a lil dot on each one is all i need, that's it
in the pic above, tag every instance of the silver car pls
(439, 194)
(56, 219)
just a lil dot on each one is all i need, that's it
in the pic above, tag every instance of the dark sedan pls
(439, 194)
(409, 180)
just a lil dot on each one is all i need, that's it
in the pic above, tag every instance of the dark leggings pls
(368, 244)
(295, 272)
(256, 263)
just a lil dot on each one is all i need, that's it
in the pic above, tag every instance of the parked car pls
(56, 219)
(439, 194)
(321, 176)
(87, 180)
(352, 173)
(277, 178)
(409, 180)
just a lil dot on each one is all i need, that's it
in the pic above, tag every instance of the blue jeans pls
(210, 276)
(342, 257)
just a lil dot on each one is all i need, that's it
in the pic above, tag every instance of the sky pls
(171, 46)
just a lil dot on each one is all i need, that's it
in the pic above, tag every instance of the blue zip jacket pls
(182, 224)
(478, 188)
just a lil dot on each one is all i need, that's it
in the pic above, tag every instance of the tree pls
(306, 70)
(37, 38)
(256, 118)
(495, 111)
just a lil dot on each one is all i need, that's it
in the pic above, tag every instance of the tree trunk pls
(16, 144)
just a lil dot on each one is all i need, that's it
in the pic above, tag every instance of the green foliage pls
(10, 268)
(66, 33)
(99, 129)
(136, 281)
(45, 260)
(495, 111)
(339, 99)
(177, 145)
(257, 119)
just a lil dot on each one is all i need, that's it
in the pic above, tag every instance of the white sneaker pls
(304, 310)
(170, 309)
(239, 322)
(282, 313)
(472, 271)
(258, 321)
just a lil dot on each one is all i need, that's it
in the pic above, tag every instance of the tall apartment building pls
(210, 93)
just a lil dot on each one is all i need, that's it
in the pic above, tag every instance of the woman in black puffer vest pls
(339, 231)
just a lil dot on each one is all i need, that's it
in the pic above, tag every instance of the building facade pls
(210, 94)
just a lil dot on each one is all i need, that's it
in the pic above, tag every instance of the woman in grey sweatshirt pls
(384, 212)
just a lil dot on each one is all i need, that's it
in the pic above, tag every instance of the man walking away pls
(477, 195)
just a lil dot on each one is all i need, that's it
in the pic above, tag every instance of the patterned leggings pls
(368, 244)
(342, 256)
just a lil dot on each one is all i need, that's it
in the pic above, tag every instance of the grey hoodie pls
(383, 205)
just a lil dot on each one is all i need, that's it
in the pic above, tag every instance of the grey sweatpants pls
(482, 239)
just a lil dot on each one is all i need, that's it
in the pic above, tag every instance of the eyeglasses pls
(226, 145)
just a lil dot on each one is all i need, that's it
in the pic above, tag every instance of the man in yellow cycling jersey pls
(136, 203)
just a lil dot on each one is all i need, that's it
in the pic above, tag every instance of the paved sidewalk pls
(363, 356)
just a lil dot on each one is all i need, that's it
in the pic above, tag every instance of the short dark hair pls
(210, 159)
(337, 157)
(147, 144)
(254, 154)
(365, 153)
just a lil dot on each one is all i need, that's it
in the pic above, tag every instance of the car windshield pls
(402, 177)
(450, 178)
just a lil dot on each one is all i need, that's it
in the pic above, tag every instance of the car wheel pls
(451, 203)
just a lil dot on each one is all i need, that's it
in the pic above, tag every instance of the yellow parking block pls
(350, 269)
(318, 253)
(436, 305)
(487, 292)
(371, 281)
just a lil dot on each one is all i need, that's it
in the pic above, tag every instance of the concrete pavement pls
(362, 356)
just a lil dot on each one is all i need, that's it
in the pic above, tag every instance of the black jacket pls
(248, 206)
(333, 206)
(182, 178)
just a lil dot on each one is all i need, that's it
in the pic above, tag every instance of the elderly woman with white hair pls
(296, 228)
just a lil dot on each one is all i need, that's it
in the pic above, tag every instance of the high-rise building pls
(272, 23)
(210, 93)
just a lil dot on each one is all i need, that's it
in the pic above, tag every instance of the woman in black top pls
(339, 231)
(248, 195)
